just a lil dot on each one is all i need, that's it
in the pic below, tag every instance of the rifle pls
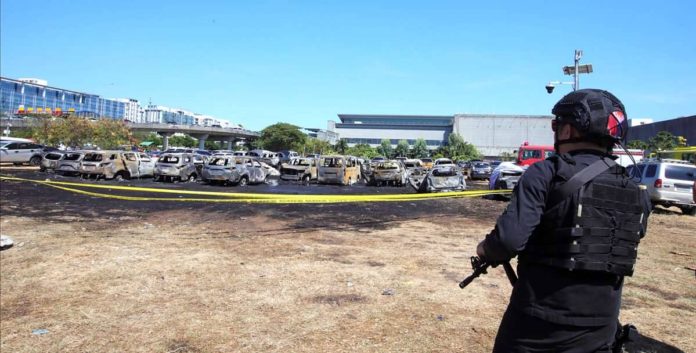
(481, 266)
(624, 333)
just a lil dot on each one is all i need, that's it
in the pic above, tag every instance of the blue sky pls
(302, 62)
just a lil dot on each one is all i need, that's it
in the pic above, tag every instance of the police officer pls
(574, 221)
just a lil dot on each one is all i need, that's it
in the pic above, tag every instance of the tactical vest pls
(595, 228)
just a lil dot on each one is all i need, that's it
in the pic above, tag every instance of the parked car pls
(265, 156)
(116, 165)
(480, 170)
(669, 182)
(427, 163)
(286, 156)
(20, 151)
(239, 153)
(443, 161)
(49, 161)
(70, 163)
(234, 170)
(336, 169)
(270, 171)
(299, 169)
(505, 176)
(440, 178)
(178, 167)
(389, 172)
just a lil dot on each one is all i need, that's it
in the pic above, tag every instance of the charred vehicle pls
(299, 169)
(116, 165)
(505, 176)
(70, 163)
(389, 172)
(234, 170)
(266, 156)
(337, 169)
(50, 161)
(178, 166)
(440, 178)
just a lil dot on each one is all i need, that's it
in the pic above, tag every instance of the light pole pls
(575, 71)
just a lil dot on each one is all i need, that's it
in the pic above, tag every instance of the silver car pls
(669, 182)
(440, 178)
(178, 167)
(70, 163)
(234, 170)
(388, 172)
(50, 161)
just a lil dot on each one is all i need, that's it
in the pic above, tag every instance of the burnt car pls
(388, 172)
(480, 170)
(439, 178)
(233, 170)
(505, 176)
(116, 165)
(299, 169)
(70, 163)
(178, 167)
(337, 169)
(49, 161)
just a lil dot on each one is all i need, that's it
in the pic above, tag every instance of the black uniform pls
(554, 309)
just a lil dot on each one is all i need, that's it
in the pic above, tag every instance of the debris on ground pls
(388, 291)
(5, 242)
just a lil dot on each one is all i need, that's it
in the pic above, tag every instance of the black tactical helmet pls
(598, 114)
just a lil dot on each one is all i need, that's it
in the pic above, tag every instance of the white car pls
(19, 152)
(669, 182)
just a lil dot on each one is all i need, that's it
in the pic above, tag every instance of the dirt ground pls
(121, 276)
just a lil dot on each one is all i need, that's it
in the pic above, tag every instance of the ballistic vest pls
(597, 227)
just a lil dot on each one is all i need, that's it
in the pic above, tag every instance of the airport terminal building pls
(491, 134)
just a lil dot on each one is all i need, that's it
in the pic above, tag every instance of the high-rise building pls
(35, 96)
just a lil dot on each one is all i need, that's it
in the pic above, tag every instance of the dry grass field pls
(189, 279)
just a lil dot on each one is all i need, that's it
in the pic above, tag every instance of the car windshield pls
(302, 162)
(169, 159)
(220, 161)
(94, 157)
(53, 156)
(388, 165)
(72, 156)
(4, 143)
(481, 165)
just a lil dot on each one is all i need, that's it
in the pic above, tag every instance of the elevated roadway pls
(199, 132)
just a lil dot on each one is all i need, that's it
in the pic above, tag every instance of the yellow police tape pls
(245, 197)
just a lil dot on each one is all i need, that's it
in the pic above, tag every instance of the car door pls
(147, 165)
(256, 172)
(131, 163)
(9, 152)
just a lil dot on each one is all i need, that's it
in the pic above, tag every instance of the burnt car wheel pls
(192, 177)
(305, 179)
(243, 181)
(36, 160)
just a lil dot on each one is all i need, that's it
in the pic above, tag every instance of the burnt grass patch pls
(338, 299)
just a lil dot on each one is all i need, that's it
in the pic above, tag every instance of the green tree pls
(420, 149)
(110, 133)
(182, 141)
(402, 148)
(637, 144)
(385, 148)
(664, 140)
(507, 156)
(341, 146)
(148, 137)
(362, 150)
(315, 146)
(213, 145)
(282, 136)
(458, 149)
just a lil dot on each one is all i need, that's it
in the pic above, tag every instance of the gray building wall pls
(684, 126)
(495, 134)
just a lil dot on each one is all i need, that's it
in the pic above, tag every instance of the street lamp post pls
(575, 71)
